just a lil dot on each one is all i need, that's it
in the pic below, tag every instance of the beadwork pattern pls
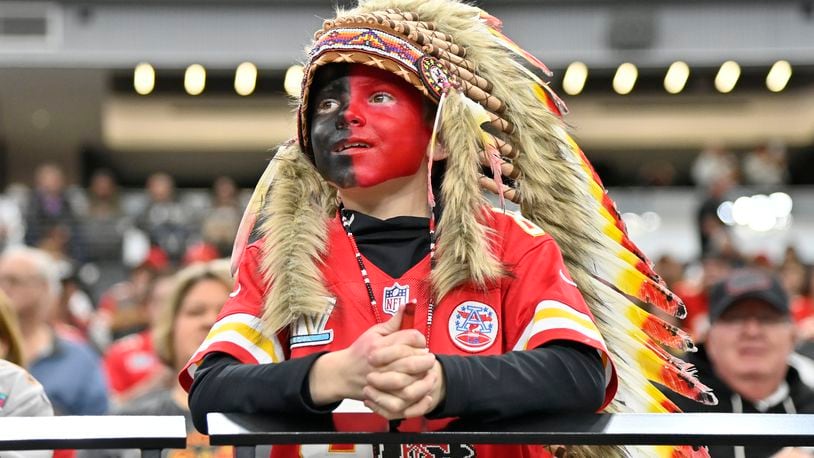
(369, 41)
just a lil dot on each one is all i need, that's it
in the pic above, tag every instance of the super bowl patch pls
(473, 326)
(310, 330)
(394, 297)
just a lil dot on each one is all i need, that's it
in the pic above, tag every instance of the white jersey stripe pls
(524, 338)
(243, 330)
(236, 338)
(541, 324)
(245, 318)
(555, 305)
(549, 324)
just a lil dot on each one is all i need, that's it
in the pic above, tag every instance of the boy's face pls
(367, 126)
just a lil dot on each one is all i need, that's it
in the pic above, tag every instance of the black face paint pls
(331, 82)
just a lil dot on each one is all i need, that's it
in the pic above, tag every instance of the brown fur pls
(295, 231)
(464, 253)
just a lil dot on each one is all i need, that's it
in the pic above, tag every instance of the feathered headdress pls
(501, 126)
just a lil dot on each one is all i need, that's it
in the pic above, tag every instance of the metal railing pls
(247, 431)
(151, 434)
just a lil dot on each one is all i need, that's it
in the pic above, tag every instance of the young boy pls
(345, 297)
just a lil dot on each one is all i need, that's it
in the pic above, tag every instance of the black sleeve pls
(224, 384)
(556, 377)
(560, 376)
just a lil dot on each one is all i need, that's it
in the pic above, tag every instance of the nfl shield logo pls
(394, 297)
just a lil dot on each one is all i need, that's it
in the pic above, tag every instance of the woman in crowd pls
(199, 292)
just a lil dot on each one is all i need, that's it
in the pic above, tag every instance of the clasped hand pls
(390, 370)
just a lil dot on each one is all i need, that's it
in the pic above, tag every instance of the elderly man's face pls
(751, 339)
(22, 283)
(367, 126)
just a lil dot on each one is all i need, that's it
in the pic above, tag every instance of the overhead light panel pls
(778, 76)
(245, 78)
(144, 78)
(676, 77)
(760, 212)
(293, 80)
(625, 78)
(195, 79)
(727, 76)
(574, 79)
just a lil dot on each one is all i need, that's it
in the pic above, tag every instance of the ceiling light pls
(194, 79)
(676, 77)
(293, 80)
(625, 78)
(245, 78)
(144, 78)
(574, 79)
(727, 76)
(781, 203)
(778, 76)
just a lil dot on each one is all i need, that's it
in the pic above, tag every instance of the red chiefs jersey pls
(536, 304)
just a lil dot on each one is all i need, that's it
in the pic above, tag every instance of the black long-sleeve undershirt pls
(559, 376)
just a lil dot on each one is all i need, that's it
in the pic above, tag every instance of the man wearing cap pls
(745, 358)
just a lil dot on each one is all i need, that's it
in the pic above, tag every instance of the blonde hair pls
(10, 332)
(185, 279)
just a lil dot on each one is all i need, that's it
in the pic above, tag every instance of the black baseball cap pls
(747, 284)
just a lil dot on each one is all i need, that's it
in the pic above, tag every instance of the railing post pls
(245, 451)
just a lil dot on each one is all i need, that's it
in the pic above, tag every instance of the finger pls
(392, 325)
(420, 408)
(412, 364)
(412, 337)
(398, 400)
(387, 405)
(379, 410)
(383, 355)
(414, 392)
(390, 381)
(395, 403)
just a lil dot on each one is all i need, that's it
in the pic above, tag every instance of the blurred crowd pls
(108, 245)
(766, 164)
(104, 296)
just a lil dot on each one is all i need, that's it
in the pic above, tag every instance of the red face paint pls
(367, 127)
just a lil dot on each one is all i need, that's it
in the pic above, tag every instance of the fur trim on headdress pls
(464, 252)
(295, 229)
